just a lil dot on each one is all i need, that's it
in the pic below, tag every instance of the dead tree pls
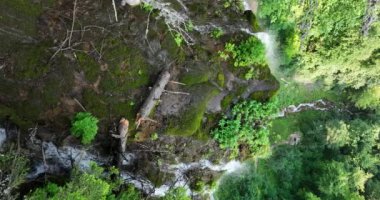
(123, 136)
(153, 98)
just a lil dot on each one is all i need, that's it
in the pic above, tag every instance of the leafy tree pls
(336, 159)
(84, 125)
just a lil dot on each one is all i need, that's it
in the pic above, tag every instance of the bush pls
(247, 125)
(89, 185)
(85, 126)
(249, 52)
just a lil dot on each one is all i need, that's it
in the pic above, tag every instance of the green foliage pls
(248, 124)
(327, 41)
(217, 33)
(236, 5)
(247, 53)
(178, 39)
(189, 26)
(146, 7)
(154, 136)
(176, 194)
(84, 125)
(282, 17)
(130, 194)
(83, 187)
(336, 159)
(88, 185)
(247, 185)
(191, 119)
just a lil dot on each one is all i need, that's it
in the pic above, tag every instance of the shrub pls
(84, 125)
(248, 125)
(217, 33)
(88, 185)
(249, 52)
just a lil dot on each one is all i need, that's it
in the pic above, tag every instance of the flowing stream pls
(180, 180)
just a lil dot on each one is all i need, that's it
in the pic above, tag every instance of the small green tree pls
(176, 194)
(84, 125)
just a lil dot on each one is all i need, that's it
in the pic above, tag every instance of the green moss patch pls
(10, 114)
(127, 68)
(90, 67)
(20, 15)
(108, 108)
(31, 61)
(195, 77)
(191, 118)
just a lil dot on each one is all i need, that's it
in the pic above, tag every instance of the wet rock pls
(130, 2)
(3, 137)
(129, 159)
(59, 160)
(215, 105)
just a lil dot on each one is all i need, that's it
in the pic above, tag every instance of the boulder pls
(3, 137)
(130, 2)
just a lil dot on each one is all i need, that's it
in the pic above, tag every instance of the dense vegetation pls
(337, 159)
(331, 45)
(330, 41)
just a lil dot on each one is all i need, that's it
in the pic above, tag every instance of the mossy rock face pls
(30, 61)
(196, 73)
(109, 108)
(90, 67)
(174, 51)
(19, 20)
(252, 19)
(227, 100)
(127, 68)
(95, 104)
(10, 114)
(191, 117)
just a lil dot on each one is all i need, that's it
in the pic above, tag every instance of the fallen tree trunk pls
(123, 136)
(153, 97)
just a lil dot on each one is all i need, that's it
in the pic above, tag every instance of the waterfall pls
(271, 52)
(180, 179)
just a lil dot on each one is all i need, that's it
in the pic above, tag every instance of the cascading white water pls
(271, 52)
(180, 180)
